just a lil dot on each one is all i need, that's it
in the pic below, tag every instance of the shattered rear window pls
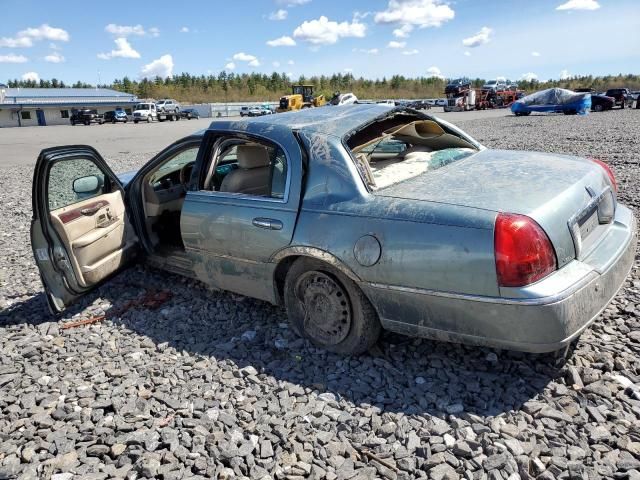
(404, 146)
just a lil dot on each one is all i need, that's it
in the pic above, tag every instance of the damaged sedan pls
(354, 218)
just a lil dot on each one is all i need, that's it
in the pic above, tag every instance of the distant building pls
(21, 107)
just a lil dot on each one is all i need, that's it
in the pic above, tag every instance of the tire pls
(622, 106)
(113, 121)
(341, 320)
(135, 121)
(598, 108)
(87, 122)
(149, 119)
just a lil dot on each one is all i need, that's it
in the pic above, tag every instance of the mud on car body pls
(355, 218)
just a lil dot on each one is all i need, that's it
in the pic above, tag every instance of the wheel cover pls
(327, 311)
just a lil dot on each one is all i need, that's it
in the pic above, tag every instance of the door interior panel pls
(97, 234)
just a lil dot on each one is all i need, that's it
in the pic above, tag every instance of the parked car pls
(343, 99)
(556, 100)
(370, 219)
(390, 103)
(457, 86)
(85, 116)
(114, 116)
(260, 110)
(619, 94)
(168, 106)
(244, 111)
(189, 113)
(441, 102)
(600, 103)
(419, 104)
(495, 85)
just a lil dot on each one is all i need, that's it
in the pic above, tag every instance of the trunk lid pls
(557, 191)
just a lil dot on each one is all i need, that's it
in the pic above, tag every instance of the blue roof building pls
(50, 106)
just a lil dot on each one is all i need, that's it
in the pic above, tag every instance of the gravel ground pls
(212, 385)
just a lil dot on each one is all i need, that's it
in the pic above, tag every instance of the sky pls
(534, 39)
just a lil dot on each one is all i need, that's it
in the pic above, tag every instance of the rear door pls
(80, 230)
(232, 234)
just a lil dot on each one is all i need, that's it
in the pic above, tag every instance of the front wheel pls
(135, 122)
(598, 108)
(329, 309)
(148, 119)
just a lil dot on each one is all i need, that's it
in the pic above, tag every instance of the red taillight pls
(609, 172)
(523, 251)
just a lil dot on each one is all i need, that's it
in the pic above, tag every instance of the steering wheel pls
(185, 174)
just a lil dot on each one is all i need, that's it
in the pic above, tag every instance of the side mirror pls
(87, 185)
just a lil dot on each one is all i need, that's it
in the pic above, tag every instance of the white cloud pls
(284, 41)
(19, 42)
(368, 51)
(415, 51)
(326, 32)
(535, 54)
(230, 66)
(25, 38)
(361, 15)
(31, 76)
(54, 57)
(291, 62)
(12, 58)
(348, 70)
(564, 75)
(276, 64)
(419, 13)
(161, 67)
(125, 50)
(45, 32)
(292, 3)
(184, 30)
(480, 38)
(434, 72)
(280, 14)
(130, 30)
(529, 76)
(289, 74)
(393, 44)
(579, 5)
(403, 31)
(467, 53)
(251, 60)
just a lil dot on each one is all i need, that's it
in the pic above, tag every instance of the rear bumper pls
(536, 325)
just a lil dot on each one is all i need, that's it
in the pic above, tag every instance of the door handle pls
(91, 210)
(267, 223)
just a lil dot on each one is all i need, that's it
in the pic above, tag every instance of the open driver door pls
(80, 231)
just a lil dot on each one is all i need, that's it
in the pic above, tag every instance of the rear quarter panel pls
(426, 245)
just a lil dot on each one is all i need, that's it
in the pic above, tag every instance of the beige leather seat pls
(253, 173)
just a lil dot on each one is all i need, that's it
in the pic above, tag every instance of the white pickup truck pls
(149, 111)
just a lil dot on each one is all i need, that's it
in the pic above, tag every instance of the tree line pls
(233, 87)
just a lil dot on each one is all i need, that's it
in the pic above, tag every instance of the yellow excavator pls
(301, 97)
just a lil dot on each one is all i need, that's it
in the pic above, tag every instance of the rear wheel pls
(329, 309)
(598, 108)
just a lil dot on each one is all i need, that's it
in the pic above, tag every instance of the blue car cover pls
(553, 100)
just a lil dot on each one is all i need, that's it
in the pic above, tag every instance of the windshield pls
(143, 106)
(491, 82)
